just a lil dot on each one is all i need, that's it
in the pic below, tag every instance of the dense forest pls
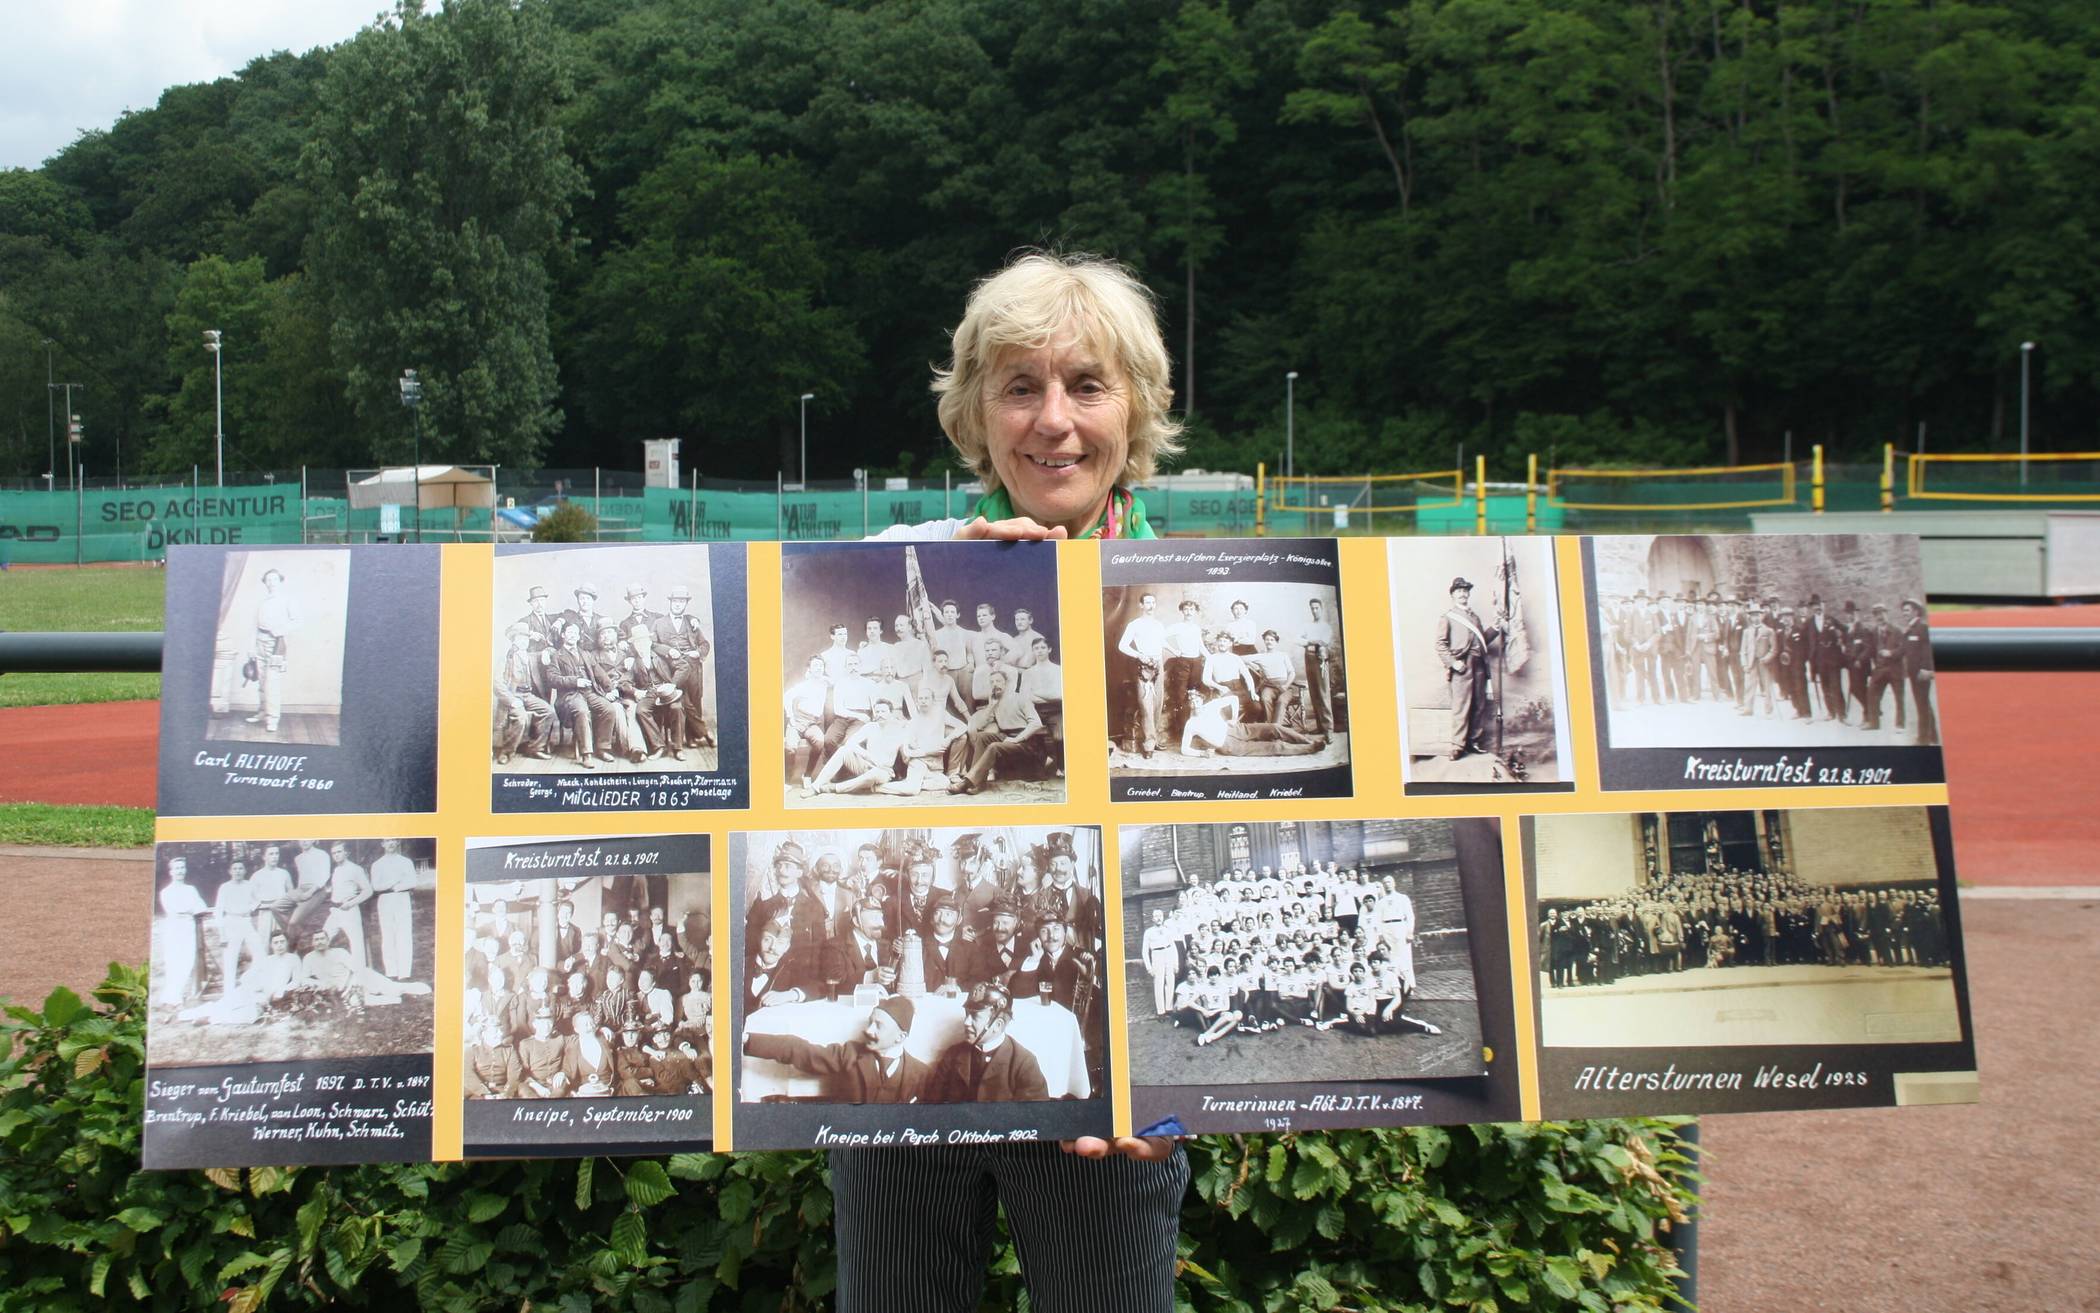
(1618, 230)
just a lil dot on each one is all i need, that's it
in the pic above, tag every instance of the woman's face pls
(1058, 430)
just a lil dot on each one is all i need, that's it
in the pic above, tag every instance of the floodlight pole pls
(1290, 423)
(50, 417)
(213, 343)
(74, 435)
(412, 397)
(2026, 354)
(802, 469)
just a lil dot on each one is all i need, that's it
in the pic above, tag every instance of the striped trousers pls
(915, 1227)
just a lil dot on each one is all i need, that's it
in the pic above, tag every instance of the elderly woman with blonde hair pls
(1056, 396)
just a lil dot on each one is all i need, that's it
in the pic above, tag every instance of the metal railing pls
(1959, 650)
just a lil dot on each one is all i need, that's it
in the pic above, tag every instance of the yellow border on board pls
(466, 603)
(1585, 736)
(1523, 971)
(1371, 678)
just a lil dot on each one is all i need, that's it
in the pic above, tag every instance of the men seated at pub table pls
(621, 1009)
(990, 934)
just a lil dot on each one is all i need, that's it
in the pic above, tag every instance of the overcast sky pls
(67, 66)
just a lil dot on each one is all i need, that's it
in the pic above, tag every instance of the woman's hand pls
(1018, 529)
(1148, 1149)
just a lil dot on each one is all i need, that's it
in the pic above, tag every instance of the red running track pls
(102, 752)
(2021, 749)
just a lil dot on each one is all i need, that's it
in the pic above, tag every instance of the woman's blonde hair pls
(1040, 297)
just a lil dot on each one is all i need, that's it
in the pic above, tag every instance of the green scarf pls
(996, 505)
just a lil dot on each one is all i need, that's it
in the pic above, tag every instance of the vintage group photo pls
(931, 966)
(293, 949)
(603, 661)
(1297, 951)
(921, 673)
(1225, 679)
(1762, 641)
(1476, 633)
(586, 986)
(1725, 928)
(277, 652)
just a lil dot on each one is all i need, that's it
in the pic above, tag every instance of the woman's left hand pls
(1146, 1149)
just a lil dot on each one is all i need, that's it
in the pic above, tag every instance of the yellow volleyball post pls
(1531, 493)
(1816, 481)
(1480, 494)
(1888, 477)
(1261, 496)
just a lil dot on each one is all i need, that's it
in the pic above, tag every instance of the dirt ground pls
(1983, 1208)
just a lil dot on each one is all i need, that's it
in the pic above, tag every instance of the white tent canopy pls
(426, 487)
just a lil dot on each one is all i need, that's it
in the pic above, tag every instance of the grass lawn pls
(75, 827)
(102, 600)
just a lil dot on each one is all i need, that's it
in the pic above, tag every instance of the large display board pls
(468, 851)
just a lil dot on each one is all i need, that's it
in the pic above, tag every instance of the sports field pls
(101, 599)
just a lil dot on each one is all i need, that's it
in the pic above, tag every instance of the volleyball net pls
(1988, 477)
(1367, 494)
(1687, 488)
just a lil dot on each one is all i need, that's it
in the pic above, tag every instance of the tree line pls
(1631, 231)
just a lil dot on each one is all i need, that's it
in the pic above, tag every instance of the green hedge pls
(1481, 1217)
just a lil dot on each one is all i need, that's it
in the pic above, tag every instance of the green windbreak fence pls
(138, 524)
(104, 524)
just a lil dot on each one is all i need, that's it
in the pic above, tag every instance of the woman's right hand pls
(1018, 529)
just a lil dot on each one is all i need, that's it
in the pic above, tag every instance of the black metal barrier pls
(1962, 650)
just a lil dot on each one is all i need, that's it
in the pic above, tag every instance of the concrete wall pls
(1860, 845)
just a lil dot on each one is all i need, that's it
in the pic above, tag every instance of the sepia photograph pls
(1764, 641)
(1483, 691)
(1298, 951)
(1225, 671)
(299, 680)
(1742, 928)
(583, 983)
(921, 673)
(935, 966)
(602, 661)
(293, 949)
(277, 654)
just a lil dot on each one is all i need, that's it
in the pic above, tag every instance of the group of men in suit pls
(1736, 918)
(1771, 659)
(629, 688)
(622, 1008)
(988, 922)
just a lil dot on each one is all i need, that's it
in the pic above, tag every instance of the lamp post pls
(2026, 354)
(74, 434)
(412, 397)
(1290, 418)
(212, 343)
(50, 412)
(802, 470)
